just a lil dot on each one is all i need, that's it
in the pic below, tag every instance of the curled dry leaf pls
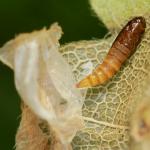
(45, 81)
(30, 135)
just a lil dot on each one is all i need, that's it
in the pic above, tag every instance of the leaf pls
(114, 13)
(108, 108)
(45, 81)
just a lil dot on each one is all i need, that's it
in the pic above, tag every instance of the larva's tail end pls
(83, 84)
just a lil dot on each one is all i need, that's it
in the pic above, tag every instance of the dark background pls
(16, 16)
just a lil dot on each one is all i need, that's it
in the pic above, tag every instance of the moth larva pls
(122, 48)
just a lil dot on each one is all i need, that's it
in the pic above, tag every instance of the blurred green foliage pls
(78, 23)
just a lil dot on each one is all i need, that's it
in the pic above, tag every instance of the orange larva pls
(122, 48)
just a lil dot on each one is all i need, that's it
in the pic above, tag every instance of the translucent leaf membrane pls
(45, 81)
(108, 108)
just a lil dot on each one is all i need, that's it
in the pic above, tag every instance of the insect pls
(122, 48)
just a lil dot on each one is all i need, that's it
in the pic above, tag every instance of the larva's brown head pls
(138, 24)
(133, 32)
